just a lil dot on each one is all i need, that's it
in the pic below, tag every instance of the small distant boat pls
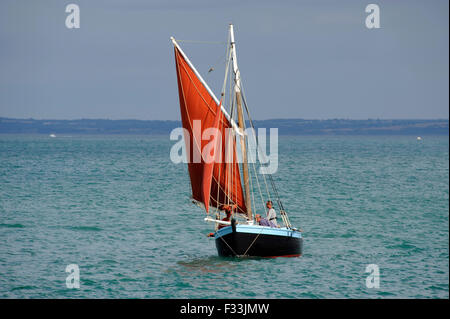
(419, 138)
(52, 135)
(218, 183)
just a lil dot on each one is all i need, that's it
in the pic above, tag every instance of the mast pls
(241, 124)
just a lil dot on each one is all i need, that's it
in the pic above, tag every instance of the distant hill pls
(357, 127)
(285, 126)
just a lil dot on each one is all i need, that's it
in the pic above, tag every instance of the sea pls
(374, 211)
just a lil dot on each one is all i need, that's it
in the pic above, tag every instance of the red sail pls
(211, 159)
(198, 113)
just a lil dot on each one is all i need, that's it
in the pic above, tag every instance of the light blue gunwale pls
(255, 229)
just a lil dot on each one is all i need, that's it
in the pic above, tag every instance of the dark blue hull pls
(258, 241)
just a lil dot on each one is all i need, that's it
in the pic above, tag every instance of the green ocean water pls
(119, 208)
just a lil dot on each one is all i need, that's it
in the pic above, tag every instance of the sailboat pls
(215, 174)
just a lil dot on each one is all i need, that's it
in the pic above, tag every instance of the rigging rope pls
(280, 204)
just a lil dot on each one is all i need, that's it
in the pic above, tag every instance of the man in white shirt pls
(271, 214)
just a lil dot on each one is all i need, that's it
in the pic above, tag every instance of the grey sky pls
(298, 59)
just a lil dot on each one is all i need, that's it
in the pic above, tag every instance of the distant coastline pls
(285, 126)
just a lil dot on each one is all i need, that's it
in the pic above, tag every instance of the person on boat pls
(271, 214)
(229, 213)
(264, 222)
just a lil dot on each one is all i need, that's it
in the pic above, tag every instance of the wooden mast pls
(241, 124)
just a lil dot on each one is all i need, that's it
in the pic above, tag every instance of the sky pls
(298, 59)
